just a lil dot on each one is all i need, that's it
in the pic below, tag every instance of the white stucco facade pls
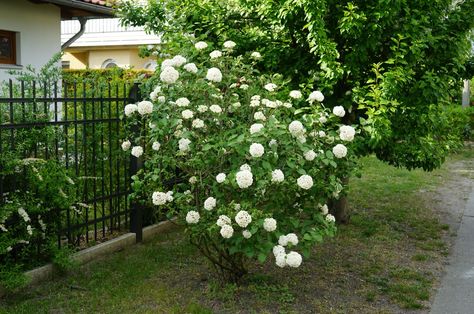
(38, 31)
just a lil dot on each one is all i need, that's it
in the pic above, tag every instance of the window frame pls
(12, 60)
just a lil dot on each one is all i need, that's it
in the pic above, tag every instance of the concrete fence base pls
(47, 272)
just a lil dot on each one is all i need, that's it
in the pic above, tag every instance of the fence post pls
(136, 209)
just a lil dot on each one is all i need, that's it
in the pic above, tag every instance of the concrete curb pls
(48, 271)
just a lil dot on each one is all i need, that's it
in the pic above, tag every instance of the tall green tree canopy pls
(393, 64)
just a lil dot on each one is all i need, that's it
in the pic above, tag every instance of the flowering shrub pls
(245, 164)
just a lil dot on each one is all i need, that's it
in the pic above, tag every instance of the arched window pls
(150, 65)
(109, 63)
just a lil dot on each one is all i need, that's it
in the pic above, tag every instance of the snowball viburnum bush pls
(248, 168)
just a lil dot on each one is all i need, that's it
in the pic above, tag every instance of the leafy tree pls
(393, 64)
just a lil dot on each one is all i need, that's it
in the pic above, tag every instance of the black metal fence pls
(84, 130)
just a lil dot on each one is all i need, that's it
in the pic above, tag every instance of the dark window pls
(66, 64)
(7, 47)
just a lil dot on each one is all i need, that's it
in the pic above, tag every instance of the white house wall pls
(39, 28)
(106, 32)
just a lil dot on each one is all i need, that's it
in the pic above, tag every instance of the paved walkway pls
(456, 293)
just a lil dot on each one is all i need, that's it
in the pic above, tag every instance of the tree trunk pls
(340, 207)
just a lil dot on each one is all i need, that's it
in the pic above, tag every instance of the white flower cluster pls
(198, 124)
(215, 54)
(316, 96)
(277, 176)
(161, 198)
(292, 259)
(223, 220)
(270, 87)
(346, 133)
(191, 68)
(126, 145)
(244, 178)
(296, 94)
(156, 146)
(145, 107)
(200, 45)
(182, 102)
(296, 128)
(259, 116)
(229, 44)
(305, 182)
(215, 109)
(310, 155)
(137, 151)
(214, 75)
(269, 224)
(192, 217)
(183, 145)
(256, 150)
(220, 178)
(255, 128)
(169, 75)
(340, 151)
(243, 218)
(339, 111)
(227, 231)
(210, 203)
(187, 114)
(130, 109)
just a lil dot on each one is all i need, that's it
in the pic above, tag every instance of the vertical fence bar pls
(136, 209)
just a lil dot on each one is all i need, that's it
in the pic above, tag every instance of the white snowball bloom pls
(293, 259)
(220, 177)
(192, 217)
(301, 139)
(245, 167)
(153, 96)
(273, 142)
(277, 176)
(278, 250)
(229, 44)
(243, 218)
(340, 151)
(167, 63)
(191, 67)
(169, 75)
(159, 198)
(296, 94)
(179, 60)
(322, 134)
(259, 116)
(324, 209)
(236, 105)
(182, 102)
(227, 231)
(187, 114)
(280, 260)
(292, 239)
(237, 206)
(29, 229)
(200, 45)
(255, 103)
(183, 144)
(223, 220)
(247, 234)
(193, 180)
(215, 54)
(126, 145)
(322, 119)
(256, 150)
(316, 96)
(296, 128)
(256, 55)
(244, 86)
(255, 128)
(214, 75)
(283, 240)
(169, 196)
(198, 124)
(269, 224)
(339, 111)
(145, 107)
(202, 108)
(244, 179)
(346, 133)
(305, 182)
(151, 125)
(161, 99)
(210, 203)
(156, 146)
(310, 155)
(137, 151)
(216, 109)
(330, 218)
(130, 109)
(270, 87)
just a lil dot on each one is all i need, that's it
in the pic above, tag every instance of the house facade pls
(105, 43)
(30, 31)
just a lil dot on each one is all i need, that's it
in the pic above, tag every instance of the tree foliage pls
(394, 64)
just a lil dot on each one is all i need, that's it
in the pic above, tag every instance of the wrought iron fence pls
(82, 121)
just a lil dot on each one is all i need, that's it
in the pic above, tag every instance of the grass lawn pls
(387, 260)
